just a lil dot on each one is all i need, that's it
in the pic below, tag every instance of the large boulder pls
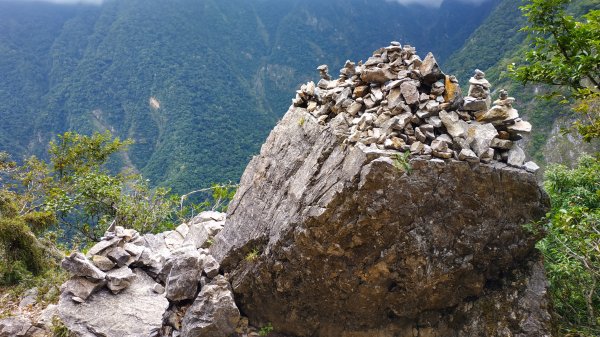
(329, 239)
(136, 311)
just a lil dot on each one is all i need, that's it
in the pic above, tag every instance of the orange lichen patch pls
(154, 103)
(451, 89)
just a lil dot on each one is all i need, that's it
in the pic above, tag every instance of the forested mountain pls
(197, 84)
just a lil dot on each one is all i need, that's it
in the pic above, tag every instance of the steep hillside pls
(188, 79)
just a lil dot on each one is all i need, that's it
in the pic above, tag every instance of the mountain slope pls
(197, 84)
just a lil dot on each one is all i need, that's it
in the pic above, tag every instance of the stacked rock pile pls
(164, 273)
(397, 101)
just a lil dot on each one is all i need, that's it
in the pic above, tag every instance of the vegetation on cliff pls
(563, 54)
(48, 208)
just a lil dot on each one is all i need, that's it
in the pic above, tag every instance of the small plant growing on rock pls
(266, 330)
(252, 255)
(401, 162)
(59, 329)
(301, 121)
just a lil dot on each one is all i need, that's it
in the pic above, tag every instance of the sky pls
(429, 3)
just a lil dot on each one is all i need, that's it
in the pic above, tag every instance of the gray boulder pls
(136, 312)
(214, 313)
(182, 271)
(323, 239)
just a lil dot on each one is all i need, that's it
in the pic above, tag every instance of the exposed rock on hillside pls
(132, 285)
(334, 232)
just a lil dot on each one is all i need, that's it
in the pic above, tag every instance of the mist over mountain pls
(197, 84)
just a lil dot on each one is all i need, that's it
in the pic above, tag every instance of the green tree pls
(88, 199)
(565, 53)
(23, 253)
(572, 245)
(75, 194)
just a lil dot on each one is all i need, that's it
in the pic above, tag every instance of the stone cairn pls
(179, 268)
(397, 102)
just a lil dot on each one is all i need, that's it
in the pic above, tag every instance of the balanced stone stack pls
(396, 101)
(141, 285)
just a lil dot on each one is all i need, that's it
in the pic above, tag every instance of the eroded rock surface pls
(347, 243)
(135, 312)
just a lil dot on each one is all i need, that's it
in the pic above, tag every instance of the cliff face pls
(330, 236)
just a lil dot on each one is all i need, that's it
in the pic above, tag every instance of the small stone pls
(468, 155)
(480, 137)
(312, 106)
(354, 108)
(213, 313)
(531, 167)
(409, 92)
(103, 262)
(102, 246)
(442, 154)
(503, 135)
(119, 256)
(516, 156)
(474, 104)
(502, 144)
(487, 156)
(394, 143)
(182, 273)
(134, 250)
(439, 146)
(416, 148)
(119, 279)
(520, 126)
(78, 265)
(158, 288)
(360, 91)
(210, 266)
(435, 121)
(77, 299)
(377, 75)
(454, 125)
(81, 287)
(445, 138)
(430, 71)
(420, 135)
(209, 216)
(29, 298)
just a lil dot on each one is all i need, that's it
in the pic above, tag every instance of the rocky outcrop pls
(134, 285)
(336, 231)
(135, 311)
